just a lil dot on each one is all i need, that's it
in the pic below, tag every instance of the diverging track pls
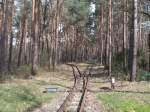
(74, 102)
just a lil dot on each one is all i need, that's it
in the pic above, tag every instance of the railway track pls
(74, 102)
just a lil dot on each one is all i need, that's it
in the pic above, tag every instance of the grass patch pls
(125, 102)
(17, 97)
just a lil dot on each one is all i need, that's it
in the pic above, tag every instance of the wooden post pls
(113, 82)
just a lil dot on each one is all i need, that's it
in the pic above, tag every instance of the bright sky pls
(92, 7)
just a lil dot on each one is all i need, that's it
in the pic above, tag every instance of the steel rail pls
(84, 77)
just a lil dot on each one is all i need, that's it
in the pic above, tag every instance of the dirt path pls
(53, 106)
(91, 104)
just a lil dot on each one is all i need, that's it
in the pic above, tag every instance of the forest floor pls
(127, 97)
(19, 95)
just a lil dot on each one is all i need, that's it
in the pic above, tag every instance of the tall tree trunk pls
(35, 15)
(25, 43)
(21, 40)
(125, 36)
(11, 38)
(4, 38)
(10, 53)
(149, 50)
(134, 38)
(110, 38)
(101, 33)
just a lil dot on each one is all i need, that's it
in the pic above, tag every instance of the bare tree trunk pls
(11, 39)
(25, 43)
(4, 38)
(134, 44)
(101, 33)
(35, 31)
(110, 38)
(149, 50)
(21, 41)
(10, 53)
(125, 36)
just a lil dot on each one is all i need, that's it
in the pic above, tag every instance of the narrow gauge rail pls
(79, 88)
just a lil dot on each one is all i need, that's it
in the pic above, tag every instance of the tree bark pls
(134, 39)
(23, 23)
(149, 50)
(110, 38)
(4, 38)
(10, 53)
(11, 38)
(35, 31)
(125, 36)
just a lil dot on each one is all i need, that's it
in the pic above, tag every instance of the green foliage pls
(118, 67)
(76, 12)
(20, 72)
(143, 75)
(118, 62)
(123, 102)
(22, 7)
(142, 59)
